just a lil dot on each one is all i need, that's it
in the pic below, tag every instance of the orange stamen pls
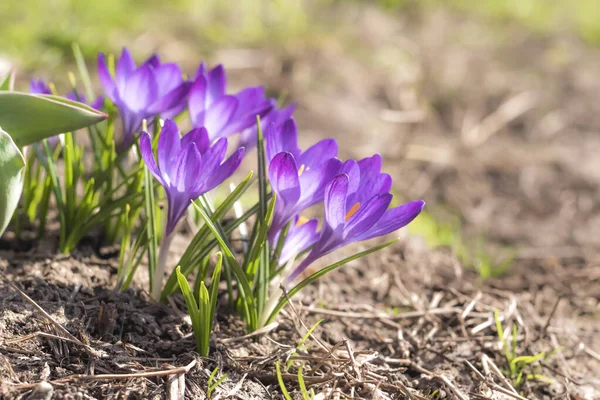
(352, 210)
(301, 170)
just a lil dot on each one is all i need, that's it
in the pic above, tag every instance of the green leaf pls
(202, 312)
(31, 118)
(302, 385)
(12, 164)
(152, 230)
(191, 304)
(284, 390)
(214, 288)
(245, 291)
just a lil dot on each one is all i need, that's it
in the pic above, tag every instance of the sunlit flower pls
(272, 121)
(143, 92)
(222, 114)
(187, 167)
(298, 178)
(356, 209)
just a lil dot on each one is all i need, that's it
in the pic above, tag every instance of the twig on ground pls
(486, 361)
(493, 385)
(352, 360)
(80, 377)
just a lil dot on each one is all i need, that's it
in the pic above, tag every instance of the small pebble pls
(41, 391)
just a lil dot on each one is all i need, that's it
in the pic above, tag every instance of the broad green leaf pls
(30, 118)
(12, 164)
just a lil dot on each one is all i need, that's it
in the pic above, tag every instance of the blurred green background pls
(38, 34)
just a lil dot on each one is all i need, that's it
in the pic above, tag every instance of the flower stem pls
(269, 307)
(161, 264)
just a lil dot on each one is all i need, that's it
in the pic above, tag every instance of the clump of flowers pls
(143, 200)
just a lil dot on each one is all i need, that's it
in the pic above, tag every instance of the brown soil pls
(433, 95)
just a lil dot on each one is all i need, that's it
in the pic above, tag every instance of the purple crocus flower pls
(356, 209)
(143, 92)
(40, 87)
(187, 167)
(272, 122)
(298, 178)
(221, 114)
(301, 235)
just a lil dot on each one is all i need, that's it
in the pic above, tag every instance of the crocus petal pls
(140, 89)
(272, 120)
(283, 175)
(251, 103)
(370, 167)
(218, 115)
(197, 101)
(169, 147)
(175, 99)
(335, 201)
(188, 167)
(98, 103)
(224, 170)
(282, 138)
(153, 61)
(280, 116)
(313, 182)
(168, 77)
(319, 153)
(38, 87)
(352, 169)
(132, 122)
(125, 67)
(394, 219)
(201, 71)
(212, 159)
(80, 97)
(298, 239)
(366, 216)
(198, 136)
(106, 79)
(216, 83)
(378, 184)
(148, 156)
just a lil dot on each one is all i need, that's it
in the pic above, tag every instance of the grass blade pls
(244, 287)
(284, 390)
(282, 302)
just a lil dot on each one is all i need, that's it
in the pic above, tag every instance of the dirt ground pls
(499, 126)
